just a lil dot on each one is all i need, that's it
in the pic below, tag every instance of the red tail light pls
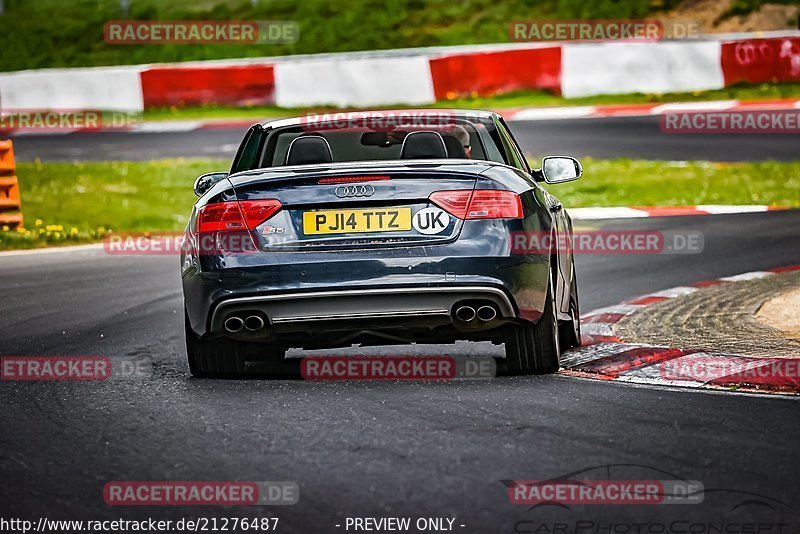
(220, 217)
(479, 204)
(453, 202)
(233, 215)
(257, 211)
(489, 204)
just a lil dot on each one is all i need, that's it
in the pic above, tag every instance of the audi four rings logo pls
(349, 191)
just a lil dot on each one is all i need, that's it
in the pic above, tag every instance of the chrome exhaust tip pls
(465, 313)
(253, 323)
(234, 324)
(486, 313)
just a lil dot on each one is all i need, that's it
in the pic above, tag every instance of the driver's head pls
(460, 133)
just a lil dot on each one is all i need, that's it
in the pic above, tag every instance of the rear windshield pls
(341, 138)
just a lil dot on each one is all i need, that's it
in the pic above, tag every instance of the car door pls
(563, 226)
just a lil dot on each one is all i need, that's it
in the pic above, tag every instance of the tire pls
(225, 358)
(569, 332)
(534, 349)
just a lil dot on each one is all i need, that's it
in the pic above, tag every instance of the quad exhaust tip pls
(465, 313)
(253, 323)
(486, 313)
(234, 324)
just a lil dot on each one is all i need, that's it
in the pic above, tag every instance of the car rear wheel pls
(225, 358)
(534, 349)
(569, 332)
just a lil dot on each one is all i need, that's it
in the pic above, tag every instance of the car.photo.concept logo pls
(585, 501)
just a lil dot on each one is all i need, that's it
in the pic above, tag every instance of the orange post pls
(9, 188)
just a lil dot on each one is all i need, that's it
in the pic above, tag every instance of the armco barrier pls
(106, 88)
(620, 68)
(417, 76)
(488, 73)
(236, 85)
(9, 187)
(343, 80)
(761, 60)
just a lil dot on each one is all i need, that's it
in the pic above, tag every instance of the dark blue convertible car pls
(382, 227)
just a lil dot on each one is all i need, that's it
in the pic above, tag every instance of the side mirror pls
(559, 169)
(205, 181)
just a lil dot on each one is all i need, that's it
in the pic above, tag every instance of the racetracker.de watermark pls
(608, 242)
(732, 122)
(121, 32)
(382, 121)
(706, 369)
(66, 120)
(204, 493)
(605, 492)
(73, 368)
(603, 30)
(175, 243)
(396, 368)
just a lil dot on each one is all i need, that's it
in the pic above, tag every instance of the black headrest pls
(423, 145)
(309, 150)
(454, 147)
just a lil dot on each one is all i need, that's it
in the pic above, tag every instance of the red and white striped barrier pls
(605, 356)
(197, 85)
(108, 88)
(620, 68)
(416, 76)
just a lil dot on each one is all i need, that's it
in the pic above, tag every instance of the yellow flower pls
(73, 231)
(5, 228)
(38, 222)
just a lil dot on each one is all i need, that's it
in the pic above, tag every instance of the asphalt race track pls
(631, 137)
(412, 449)
(387, 449)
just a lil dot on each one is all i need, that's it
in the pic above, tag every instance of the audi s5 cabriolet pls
(384, 227)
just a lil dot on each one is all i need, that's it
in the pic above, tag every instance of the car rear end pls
(382, 252)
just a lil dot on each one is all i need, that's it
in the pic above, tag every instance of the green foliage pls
(603, 9)
(57, 33)
(743, 7)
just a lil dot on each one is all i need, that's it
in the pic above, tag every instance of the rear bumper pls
(366, 308)
(391, 288)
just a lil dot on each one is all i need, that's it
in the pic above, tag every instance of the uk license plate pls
(356, 221)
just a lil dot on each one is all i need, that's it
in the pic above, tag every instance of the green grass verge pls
(625, 182)
(508, 100)
(68, 203)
